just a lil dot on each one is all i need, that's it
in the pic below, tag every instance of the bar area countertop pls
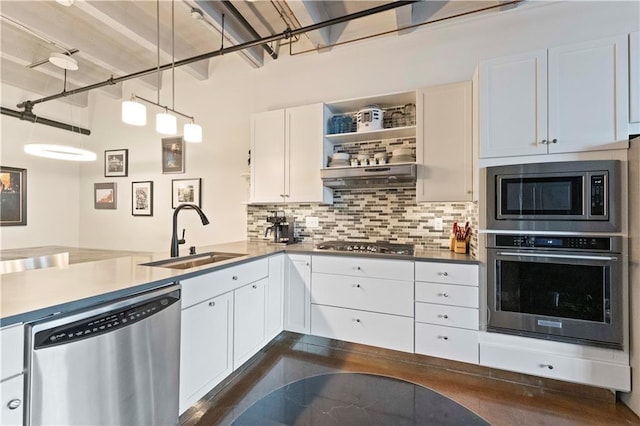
(95, 276)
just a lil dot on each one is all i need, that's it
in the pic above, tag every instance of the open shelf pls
(391, 133)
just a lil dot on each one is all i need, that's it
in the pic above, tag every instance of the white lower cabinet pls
(447, 342)
(12, 399)
(206, 348)
(368, 328)
(275, 297)
(297, 293)
(249, 321)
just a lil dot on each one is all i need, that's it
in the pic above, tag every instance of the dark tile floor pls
(499, 398)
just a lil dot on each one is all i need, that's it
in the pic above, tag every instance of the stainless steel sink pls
(187, 262)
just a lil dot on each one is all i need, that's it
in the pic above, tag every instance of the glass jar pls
(410, 114)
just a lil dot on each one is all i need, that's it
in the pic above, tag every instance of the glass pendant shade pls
(60, 152)
(192, 133)
(166, 124)
(134, 113)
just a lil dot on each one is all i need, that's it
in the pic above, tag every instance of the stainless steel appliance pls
(367, 247)
(378, 176)
(116, 364)
(563, 196)
(282, 228)
(566, 288)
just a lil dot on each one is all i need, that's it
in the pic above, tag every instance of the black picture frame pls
(105, 196)
(116, 163)
(173, 155)
(13, 196)
(142, 198)
(186, 191)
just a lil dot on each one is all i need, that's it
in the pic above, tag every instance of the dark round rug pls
(356, 399)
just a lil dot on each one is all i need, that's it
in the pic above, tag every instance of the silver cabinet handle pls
(254, 286)
(358, 268)
(444, 274)
(357, 286)
(235, 278)
(13, 404)
(549, 366)
(443, 337)
(282, 195)
(443, 294)
(212, 304)
(554, 141)
(307, 264)
(357, 320)
(544, 142)
(443, 316)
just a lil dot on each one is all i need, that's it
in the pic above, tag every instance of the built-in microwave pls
(561, 196)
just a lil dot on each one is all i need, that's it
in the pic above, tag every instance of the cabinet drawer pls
(450, 316)
(368, 294)
(11, 351)
(368, 328)
(447, 273)
(544, 364)
(206, 286)
(447, 342)
(361, 267)
(444, 294)
(12, 390)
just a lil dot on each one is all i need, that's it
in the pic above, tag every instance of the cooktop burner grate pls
(368, 247)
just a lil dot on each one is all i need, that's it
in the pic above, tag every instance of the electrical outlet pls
(311, 222)
(437, 224)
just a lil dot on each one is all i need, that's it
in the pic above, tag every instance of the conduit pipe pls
(231, 8)
(28, 115)
(231, 49)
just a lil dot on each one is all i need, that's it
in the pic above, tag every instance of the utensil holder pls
(461, 246)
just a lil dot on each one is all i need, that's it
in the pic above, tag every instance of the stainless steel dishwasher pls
(117, 364)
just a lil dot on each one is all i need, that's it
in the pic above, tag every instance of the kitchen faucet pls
(175, 242)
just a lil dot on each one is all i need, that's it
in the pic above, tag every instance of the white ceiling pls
(112, 38)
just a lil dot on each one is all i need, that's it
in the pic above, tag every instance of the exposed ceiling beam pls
(311, 12)
(417, 13)
(127, 24)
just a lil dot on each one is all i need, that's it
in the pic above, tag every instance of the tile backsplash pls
(372, 215)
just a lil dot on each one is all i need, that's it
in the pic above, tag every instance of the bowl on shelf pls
(401, 152)
(340, 156)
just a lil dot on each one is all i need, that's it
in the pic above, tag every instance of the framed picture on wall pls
(116, 163)
(185, 191)
(13, 196)
(173, 155)
(142, 198)
(105, 196)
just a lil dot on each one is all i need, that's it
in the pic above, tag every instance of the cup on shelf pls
(409, 114)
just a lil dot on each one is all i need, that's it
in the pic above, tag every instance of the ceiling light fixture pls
(134, 113)
(59, 152)
(63, 61)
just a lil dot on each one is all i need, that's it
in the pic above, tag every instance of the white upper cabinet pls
(444, 145)
(287, 155)
(565, 99)
(634, 83)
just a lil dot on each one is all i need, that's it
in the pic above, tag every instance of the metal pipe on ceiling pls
(236, 14)
(27, 115)
(231, 49)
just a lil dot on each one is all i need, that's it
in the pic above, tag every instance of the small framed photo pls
(116, 163)
(185, 191)
(105, 195)
(13, 196)
(142, 198)
(173, 155)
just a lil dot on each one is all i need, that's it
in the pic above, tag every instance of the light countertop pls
(96, 276)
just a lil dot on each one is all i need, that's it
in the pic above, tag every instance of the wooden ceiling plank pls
(309, 12)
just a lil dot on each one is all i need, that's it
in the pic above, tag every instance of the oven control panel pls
(554, 242)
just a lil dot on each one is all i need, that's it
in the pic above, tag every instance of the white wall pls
(53, 195)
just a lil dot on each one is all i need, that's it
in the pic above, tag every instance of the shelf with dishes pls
(389, 133)
(346, 160)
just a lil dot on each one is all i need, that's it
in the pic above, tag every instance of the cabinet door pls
(248, 316)
(205, 347)
(444, 146)
(12, 400)
(513, 105)
(297, 294)
(304, 154)
(267, 157)
(275, 297)
(588, 96)
(634, 83)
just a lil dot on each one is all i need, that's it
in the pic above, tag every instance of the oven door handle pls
(559, 256)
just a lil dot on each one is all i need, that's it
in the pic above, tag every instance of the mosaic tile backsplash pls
(373, 215)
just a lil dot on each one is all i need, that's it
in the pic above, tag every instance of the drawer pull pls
(358, 285)
(235, 278)
(443, 294)
(13, 404)
(443, 337)
(306, 264)
(212, 304)
(358, 268)
(254, 286)
(357, 320)
(444, 274)
(445, 316)
(549, 366)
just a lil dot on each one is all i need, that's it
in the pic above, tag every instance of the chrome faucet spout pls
(175, 242)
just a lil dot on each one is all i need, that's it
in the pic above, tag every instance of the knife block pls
(459, 246)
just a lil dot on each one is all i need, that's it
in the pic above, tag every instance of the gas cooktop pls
(367, 247)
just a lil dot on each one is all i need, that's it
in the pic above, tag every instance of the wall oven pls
(562, 196)
(565, 288)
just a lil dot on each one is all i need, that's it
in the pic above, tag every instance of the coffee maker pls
(281, 228)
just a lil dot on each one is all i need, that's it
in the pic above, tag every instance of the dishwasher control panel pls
(102, 323)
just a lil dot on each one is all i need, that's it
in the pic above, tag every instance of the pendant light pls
(134, 113)
(192, 133)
